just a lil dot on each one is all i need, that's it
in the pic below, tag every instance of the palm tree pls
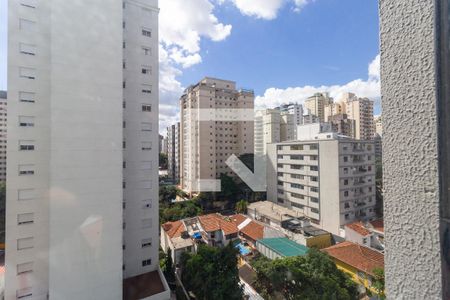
(241, 207)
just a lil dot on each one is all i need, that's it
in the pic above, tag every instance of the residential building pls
(357, 261)
(334, 108)
(369, 234)
(316, 105)
(173, 153)
(339, 190)
(310, 119)
(341, 124)
(82, 191)
(273, 248)
(360, 110)
(378, 141)
(310, 131)
(287, 127)
(161, 139)
(293, 109)
(3, 132)
(206, 144)
(267, 129)
(378, 125)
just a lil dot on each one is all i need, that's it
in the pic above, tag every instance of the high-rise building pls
(378, 125)
(82, 193)
(3, 133)
(316, 104)
(338, 190)
(207, 143)
(288, 127)
(310, 119)
(294, 109)
(161, 140)
(360, 110)
(173, 153)
(334, 108)
(341, 124)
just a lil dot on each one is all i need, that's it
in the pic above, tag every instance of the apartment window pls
(297, 205)
(146, 243)
(146, 70)
(281, 192)
(124, 144)
(345, 181)
(280, 156)
(314, 189)
(146, 107)
(346, 205)
(297, 186)
(297, 176)
(345, 159)
(24, 268)
(28, 3)
(25, 243)
(313, 147)
(26, 121)
(26, 169)
(28, 73)
(298, 196)
(147, 223)
(345, 193)
(146, 32)
(25, 194)
(314, 168)
(297, 157)
(314, 200)
(27, 97)
(314, 210)
(314, 178)
(27, 49)
(297, 147)
(146, 89)
(25, 293)
(27, 218)
(146, 126)
(146, 51)
(280, 200)
(146, 262)
(27, 25)
(296, 167)
(146, 146)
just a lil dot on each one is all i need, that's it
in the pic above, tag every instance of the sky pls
(285, 50)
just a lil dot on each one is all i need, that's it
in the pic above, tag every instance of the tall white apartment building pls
(294, 109)
(207, 144)
(173, 153)
(329, 179)
(3, 133)
(82, 193)
(360, 110)
(267, 129)
(315, 105)
(288, 127)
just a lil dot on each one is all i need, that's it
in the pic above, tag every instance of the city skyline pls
(338, 62)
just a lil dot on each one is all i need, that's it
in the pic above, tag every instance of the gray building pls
(3, 133)
(329, 179)
(173, 151)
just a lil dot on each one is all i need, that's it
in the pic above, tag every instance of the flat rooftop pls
(273, 211)
(142, 286)
(284, 246)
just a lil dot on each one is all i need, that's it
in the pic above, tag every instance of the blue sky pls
(283, 49)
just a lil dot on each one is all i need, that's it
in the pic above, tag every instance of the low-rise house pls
(369, 234)
(174, 237)
(357, 261)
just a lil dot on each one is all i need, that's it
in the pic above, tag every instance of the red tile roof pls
(358, 227)
(238, 219)
(214, 222)
(253, 230)
(357, 256)
(173, 229)
(378, 225)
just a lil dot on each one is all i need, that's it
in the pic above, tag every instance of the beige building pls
(316, 105)
(287, 127)
(173, 153)
(207, 143)
(338, 190)
(360, 110)
(3, 125)
(378, 125)
(334, 108)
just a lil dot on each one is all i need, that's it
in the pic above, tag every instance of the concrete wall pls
(415, 267)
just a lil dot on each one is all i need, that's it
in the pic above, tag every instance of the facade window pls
(28, 73)
(314, 200)
(297, 205)
(27, 49)
(297, 157)
(314, 210)
(314, 189)
(146, 146)
(24, 268)
(345, 159)
(25, 243)
(313, 147)
(314, 178)
(145, 243)
(26, 169)
(297, 147)
(146, 262)
(298, 196)
(146, 32)
(146, 51)
(280, 200)
(146, 70)
(146, 107)
(345, 181)
(27, 97)
(27, 218)
(28, 3)
(296, 167)
(281, 192)
(345, 193)
(297, 186)
(25, 293)
(25, 121)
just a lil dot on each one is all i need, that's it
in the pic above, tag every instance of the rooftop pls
(284, 246)
(358, 227)
(142, 286)
(362, 258)
(173, 229)
(273, 210)
(214, 222)
(378, 225)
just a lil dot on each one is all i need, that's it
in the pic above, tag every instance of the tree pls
(180, 210)
(229, 188)
(163, 161)
(378, 282)
(313, 276)
(212, 273)
(167, 194)
(241, 207)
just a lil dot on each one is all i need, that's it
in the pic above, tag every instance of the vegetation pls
(378, 282)
(241, 207)
(167, 268)
(172, 211)
(313, 276)
(212, 273)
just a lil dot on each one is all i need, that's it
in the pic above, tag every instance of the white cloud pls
(364, 88)
(265, 9)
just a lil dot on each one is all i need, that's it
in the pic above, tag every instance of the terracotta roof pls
(173, 229)
(214, 222)
(378, 225)
(238, 219)
(358, 227)
(357, 256)
(253, 230)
